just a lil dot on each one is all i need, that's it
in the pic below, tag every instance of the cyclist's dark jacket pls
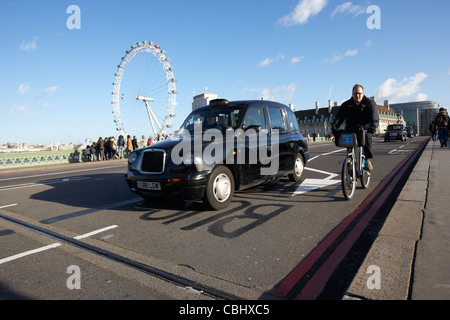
(366, 115)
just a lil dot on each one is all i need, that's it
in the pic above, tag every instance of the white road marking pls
(95, 232)
(27, 253)
(8, 205)
(51, 246)
(396, 151)
(44, 183)
(325, 154)
(314, 184)
(65, 172)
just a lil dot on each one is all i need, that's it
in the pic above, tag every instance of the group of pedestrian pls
(441, 127)
(109, 148)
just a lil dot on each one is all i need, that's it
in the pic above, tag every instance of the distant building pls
(319, 120)
(203, 100)
(418, 114)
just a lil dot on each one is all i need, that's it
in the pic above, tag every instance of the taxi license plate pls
(149, 185)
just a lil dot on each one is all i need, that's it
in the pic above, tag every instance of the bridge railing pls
(41, 158)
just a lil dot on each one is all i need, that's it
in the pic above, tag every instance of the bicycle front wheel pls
(348, 179)
(365, 179)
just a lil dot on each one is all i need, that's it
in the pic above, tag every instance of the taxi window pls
(255, 116)
(277, 119)
(292, 123)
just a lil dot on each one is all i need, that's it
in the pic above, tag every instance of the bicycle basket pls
(348, 140)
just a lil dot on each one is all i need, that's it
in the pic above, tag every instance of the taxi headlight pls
(132, 158)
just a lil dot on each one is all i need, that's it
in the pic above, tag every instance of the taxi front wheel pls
(219, 188)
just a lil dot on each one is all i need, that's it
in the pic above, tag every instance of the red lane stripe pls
(300, 270)
(288, 283)
(319, 280)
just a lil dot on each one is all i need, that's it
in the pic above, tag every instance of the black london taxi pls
(219, 149)
(395, 132)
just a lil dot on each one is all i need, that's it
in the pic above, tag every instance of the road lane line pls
(95, 232)
(44, 183)
(8, 205)
(27, 253)
(325, 154)
(313, 184)
(54, 245)
(89, 211)
(63, 172)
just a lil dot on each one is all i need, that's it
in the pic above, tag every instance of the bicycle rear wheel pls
(348, 179)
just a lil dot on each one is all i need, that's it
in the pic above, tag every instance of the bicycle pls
(353, 168)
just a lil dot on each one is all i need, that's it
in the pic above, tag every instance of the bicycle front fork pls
(359, 161)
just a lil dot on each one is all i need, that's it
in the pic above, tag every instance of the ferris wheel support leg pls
(150, 113)
(154, 117)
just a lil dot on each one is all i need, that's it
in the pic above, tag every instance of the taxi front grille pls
(153, 161)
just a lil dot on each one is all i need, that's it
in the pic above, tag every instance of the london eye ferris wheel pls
(144, 92)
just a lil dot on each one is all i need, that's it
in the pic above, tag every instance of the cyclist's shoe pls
(369, 166)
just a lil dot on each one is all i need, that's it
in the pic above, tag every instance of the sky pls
(59, 63)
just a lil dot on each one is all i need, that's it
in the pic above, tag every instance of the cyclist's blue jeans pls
(443, 132)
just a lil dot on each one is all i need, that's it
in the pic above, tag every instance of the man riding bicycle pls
(357, 112)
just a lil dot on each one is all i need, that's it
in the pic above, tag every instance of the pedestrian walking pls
(87, 152)
(92, 150)
(433, 131)
(113, 145)
(134, 143)
(107, 149)
(441, 126)
(120, 146)
(129, 144)
(101, 149)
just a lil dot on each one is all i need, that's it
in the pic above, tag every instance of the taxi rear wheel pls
(299, 166)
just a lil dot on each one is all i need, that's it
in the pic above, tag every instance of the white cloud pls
(20, 109)
(268, 61)
(47, 92)
(283, 93)
(23, 88)
(265, 62)
(393, 90)
(295, 60)
(351, 53)
(29, 46)
(421, 97)
(23, 109)
(340, 56)
(349, 8)
(302, 12)
(51, 89)
(368, 44)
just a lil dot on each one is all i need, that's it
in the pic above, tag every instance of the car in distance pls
(395, 132)
(409, 132)
(221, 148)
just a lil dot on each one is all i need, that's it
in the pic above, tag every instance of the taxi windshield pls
(395, 127)
(212, 118)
